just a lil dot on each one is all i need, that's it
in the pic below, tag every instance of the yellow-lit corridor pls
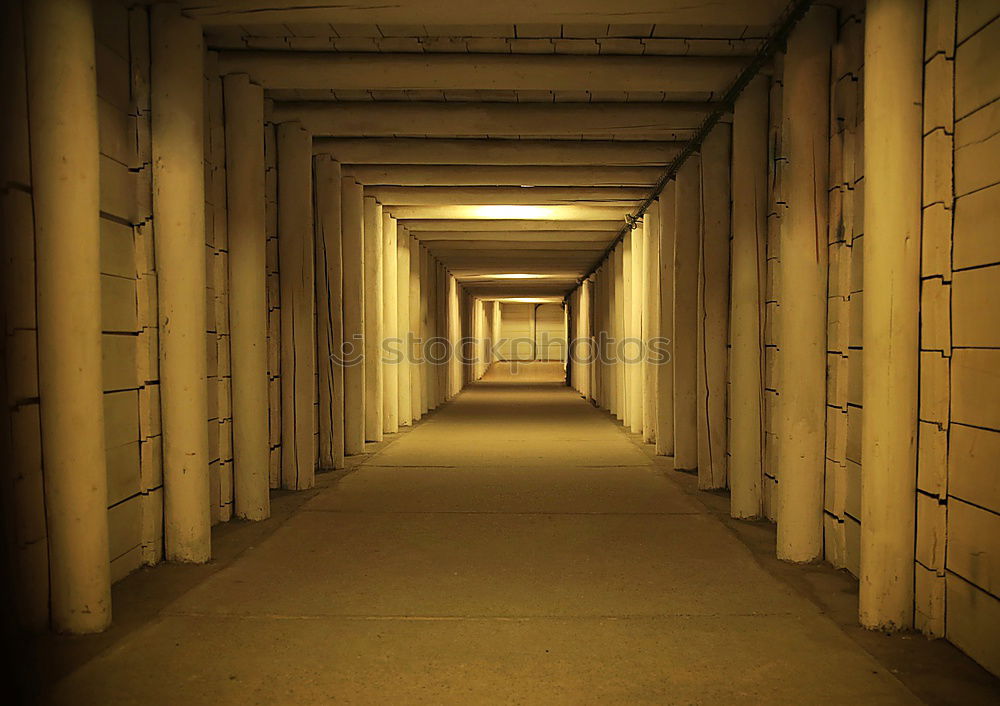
(516, 547)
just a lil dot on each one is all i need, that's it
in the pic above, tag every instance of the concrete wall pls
(958, 500)
(24, 511)
(273, 298)
(772, 296)
(129, 312)
(550, 332)
(516, 331)
(842, 496)
(220, 417)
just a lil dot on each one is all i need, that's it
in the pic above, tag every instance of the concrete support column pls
(584, 350)
(801, 423)
(618, 317)
(663, 366)
(747, 298)
(353, 258)
(634, 352)
(426, 371)
(627, 332)
(893, 121)
(373, 319)
(403, 324)
(442, 329)
(62, 101)
(417, 371)
(330, 310)
(177, 102)
(496, 331)
(687, 231)
(650, 317)
(246, 225)
(713, 309)
(390, 369)
(601, 333)
(297, 276)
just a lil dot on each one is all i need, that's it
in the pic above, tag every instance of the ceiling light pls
(530, 300)
(514, 275)
(514, 212)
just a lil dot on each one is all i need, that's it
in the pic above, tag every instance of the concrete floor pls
(515, 547)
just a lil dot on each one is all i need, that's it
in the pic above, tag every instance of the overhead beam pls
(495, 195)
(474, 246)
(434, 237)
(468, 72)
(489, 175)
(441, 225)
(557, 213)
(634, 121)
(485, 290)
(451, 12)
(424, 151)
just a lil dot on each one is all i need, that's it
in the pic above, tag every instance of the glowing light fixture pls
(514, 212)
(513, 275)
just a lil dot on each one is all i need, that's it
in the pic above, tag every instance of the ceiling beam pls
(453, 12)
(499, 195)
(621, 121)
(419, 151)
(435, 237)
(498, 72)
(612, 214)
(515, 244)
(489, 175)
(442, 225)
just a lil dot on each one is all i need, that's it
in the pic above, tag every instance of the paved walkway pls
(515, 547)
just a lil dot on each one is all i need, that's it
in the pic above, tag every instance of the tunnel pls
(579, 351)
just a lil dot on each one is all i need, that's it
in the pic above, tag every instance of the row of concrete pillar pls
(349, 274)
(695, 268)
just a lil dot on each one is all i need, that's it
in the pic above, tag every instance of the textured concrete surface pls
(494, 554)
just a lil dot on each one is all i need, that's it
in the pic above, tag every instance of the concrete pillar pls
(390, 369)
(585, 350)
(442, 329)
(495, 333)
(687, 229)
(177, 102)
(353, 254)
(601, 333)
(713, 308)
(416, 332)
(427, 373)
(297, 276)
(373, 319)
(627, 321)
(66, 202)
(634, 352)
(246, 225)
(403, 324)
(607, 309)
(330, 310)
(747, 298)
(650, 317)
(664, 328)
(802, 404)
(618, 315)
(893, 82)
